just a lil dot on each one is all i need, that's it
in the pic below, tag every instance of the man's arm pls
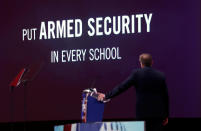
(166, 98)
(119, 89)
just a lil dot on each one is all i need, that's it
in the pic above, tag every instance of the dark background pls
(174, 42)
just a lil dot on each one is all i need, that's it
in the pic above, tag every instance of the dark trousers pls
(154, 125)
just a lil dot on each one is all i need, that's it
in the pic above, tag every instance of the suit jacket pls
(151, 93)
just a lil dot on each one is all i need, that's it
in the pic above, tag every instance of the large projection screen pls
(121, 30)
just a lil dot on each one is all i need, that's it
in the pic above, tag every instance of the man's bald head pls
(145, 59)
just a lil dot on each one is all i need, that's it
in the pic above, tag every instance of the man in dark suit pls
(151, 94)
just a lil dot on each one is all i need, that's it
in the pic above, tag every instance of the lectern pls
(92, 109)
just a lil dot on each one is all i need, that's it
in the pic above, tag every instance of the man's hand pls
(165, 122)
(101, 96)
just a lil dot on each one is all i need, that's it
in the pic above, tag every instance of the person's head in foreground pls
(145, 60)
